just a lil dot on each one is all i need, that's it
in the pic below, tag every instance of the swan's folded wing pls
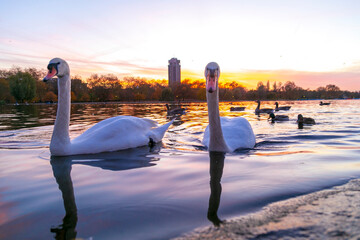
(237, 133)
(115, 133)
(158, 133)
(121, 123)
(206, 138)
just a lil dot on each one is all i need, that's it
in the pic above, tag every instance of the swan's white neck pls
(217, 142)
(60, 140)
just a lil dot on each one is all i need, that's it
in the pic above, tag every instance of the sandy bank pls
(328, 214)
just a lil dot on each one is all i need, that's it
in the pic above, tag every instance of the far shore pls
(173, 102)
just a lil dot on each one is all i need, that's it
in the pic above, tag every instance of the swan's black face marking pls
(53, 71)
(53, 65)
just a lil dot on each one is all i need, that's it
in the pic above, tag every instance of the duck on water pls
(278, 118)
(285, 108)
(259, 110)
(301, 121)
(324, 103)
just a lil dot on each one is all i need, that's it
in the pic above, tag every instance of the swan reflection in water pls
(61, 170)
(216, 172)
(115, 161)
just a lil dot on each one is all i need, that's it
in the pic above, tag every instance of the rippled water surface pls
(165, 191)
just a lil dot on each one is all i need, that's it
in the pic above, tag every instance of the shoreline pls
(172, 102)
(327, 214)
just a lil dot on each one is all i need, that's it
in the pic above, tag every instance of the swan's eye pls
(53, 65)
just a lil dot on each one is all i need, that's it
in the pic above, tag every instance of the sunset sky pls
(313, 43)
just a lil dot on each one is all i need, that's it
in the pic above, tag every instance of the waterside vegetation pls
(25, 85)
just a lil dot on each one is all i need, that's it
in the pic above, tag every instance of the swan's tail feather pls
(158, 133)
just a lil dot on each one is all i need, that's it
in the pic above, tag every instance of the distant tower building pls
(174, 72)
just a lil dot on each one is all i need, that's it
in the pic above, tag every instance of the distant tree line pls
(26, 85)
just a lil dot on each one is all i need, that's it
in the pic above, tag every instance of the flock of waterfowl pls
(301, 121)
(123, 132)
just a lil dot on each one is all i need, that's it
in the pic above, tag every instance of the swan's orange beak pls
(50, 75)
(53, 70)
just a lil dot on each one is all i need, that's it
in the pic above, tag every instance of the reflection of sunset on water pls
(167, 184)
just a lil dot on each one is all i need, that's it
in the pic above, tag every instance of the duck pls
(323, 103)
(237, 109)
(285, 108)
(174, 111)
(304, 120)
(278, 118)
(223, 134)
(263, 110)
(112, 134)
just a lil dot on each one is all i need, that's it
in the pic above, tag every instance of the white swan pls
(223, 134)
(112, 134)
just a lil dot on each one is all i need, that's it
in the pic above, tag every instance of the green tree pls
(37, 74)
(41, 90)
(5, 95)
(22, 86)
(80, 89)
(167, 94)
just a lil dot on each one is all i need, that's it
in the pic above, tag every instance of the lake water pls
(164, 192)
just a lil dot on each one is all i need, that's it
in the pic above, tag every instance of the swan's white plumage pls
(118, 133)
(237, 133)
(223, 134)
(112, 134)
